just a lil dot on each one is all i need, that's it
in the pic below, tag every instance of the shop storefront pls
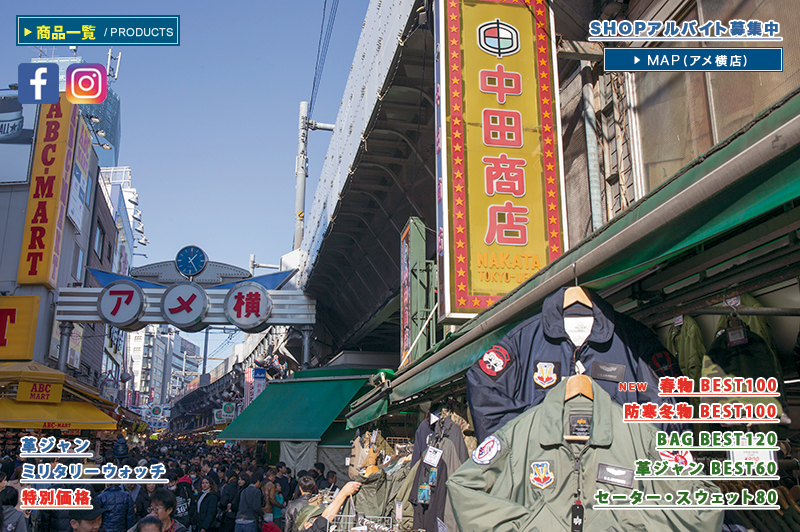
(36, 398)
(712, 250)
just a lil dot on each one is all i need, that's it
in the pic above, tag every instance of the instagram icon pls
(86, 83)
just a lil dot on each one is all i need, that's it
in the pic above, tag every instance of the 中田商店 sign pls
(498, 153)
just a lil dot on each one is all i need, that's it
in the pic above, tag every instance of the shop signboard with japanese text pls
(47, 199)
(18, 318)
(499, 184)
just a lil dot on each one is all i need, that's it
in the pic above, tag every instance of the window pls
(682, 115)
(99, 241)
(77, 264)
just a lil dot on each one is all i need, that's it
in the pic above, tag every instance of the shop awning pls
(744, 178)
(63, 415)
(14, 372)
(294, 410)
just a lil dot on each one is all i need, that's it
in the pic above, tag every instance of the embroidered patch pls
(606, 371)
(486, 451)
(494, 361)
(541, 476)
(547, 373)
(616, 475)
(683, 458)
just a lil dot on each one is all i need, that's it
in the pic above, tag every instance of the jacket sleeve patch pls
(547, 374)
(486, 451)
(495, 361)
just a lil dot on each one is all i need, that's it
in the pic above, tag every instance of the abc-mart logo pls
(498, 38)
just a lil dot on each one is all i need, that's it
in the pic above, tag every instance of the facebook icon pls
(38, 83)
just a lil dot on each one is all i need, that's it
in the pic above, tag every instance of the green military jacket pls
(527, 479)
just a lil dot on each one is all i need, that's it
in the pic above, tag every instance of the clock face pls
(191, 260)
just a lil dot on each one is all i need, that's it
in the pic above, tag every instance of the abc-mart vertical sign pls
(499, 161)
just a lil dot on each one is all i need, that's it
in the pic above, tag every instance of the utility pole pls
(301, 169)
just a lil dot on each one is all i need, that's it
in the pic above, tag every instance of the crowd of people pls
(209, 489)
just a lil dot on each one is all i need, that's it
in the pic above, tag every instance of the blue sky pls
(209, 128)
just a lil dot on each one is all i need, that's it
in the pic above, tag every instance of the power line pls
(325, 33)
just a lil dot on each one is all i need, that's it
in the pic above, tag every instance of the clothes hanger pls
(576, 294)
(578, 385)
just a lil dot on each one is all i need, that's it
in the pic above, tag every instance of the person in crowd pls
(12, 519)
(277, 511)
(121, 509)
(306, 487)
(15, 483)
(205, 509)
(229, 501)
(316, 519)
(292, 484)
(195, 477)
(269, 493)
(149, 523)
(162, 505)
(183, 497)
(143, 500)
(207, 471)
(251, 504)
(331, 479)
(120, 448)
(282, 479)
(319, 467)
(86, 520)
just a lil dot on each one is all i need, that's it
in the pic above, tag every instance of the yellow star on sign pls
(551, 206)
(459, 188)
(548, 153)
(459, 201)
(453, 16)
(459, 215)
(462, 302)
(551, 193)
(456, 134)
(555, 248)
(457, 160)
(453, 3)
(539, 1)
(546, 101)
(546, 114)
(454, 81)
(551, 180)
(456, 121)
(456, 107)
(461, 286)
(476, 302)
(460, 229)
(457, 147)
(543, 73)
(454, 42)
(540, 13)
(553, 220)
(454, 29)
(542, 49)
(553, 234)
(461, 258)
(460, 244)
(545, 88)
(543, 62)
(461, 273)
(454, 55)
(458, 174)
(550, 167)
(548, 140)
(547, 128)
(454, 67)
(456, 94)
(542, 37)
